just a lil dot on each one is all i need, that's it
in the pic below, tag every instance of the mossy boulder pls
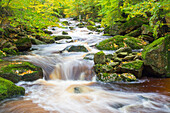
(36, 41)
(9, 51)
(156, 58)
(62, 37)
(5, 43)
(23, 44)
(112, 30)
(119, 41)
(124, 49)
(114, 77)
(76, 48)
(113, 65)
(16, 71)
(91, 28)
(147, 30)
(134, 67)
(131, 25)
(8, 89)
(99, 58)
(147, 38)
(49, 41)
(135, 33)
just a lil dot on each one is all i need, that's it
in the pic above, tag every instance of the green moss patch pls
(16, 71)
(118, 41)
(133, 64)
(152, 46)
(8, 89)
(9, 51)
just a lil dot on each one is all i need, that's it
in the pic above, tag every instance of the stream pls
(69, 84)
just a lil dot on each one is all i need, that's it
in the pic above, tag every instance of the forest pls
(66, 45)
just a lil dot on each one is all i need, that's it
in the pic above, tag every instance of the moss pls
(133, 65)
(153, 45)
(2, 54)
(91, 28)
(100, 53)
(8, 89)
(134, 33)
(23, 44)
(62, 37)
(22, 40)
(131, 25)
(113, 77)
(65, 23)
(16, 71)
(90, 23)
(146, 29)
(1, 60)
(118, 41)
(77, 49)
(9, 51)
(36, 41)
(99, 58)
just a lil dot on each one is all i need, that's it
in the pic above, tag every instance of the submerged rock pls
(79, 89)
(16, 71)
(8, 89)
(157, 58)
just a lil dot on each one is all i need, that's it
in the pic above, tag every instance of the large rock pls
(17, 71)
(135, 33)
(76, 48)
(118, 41)
(131, 25)
(113, 30)
(147, 30)
(99, 58)
(134, 67)
(23, 44)
(156, 58)
(36, 41)
(8, 89)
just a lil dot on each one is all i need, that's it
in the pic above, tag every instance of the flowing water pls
(69, 84)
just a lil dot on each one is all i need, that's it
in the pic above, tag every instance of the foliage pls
(153, 10)
(86, 9)
(34, 14)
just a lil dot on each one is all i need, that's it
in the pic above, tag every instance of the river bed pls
(69, 84)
